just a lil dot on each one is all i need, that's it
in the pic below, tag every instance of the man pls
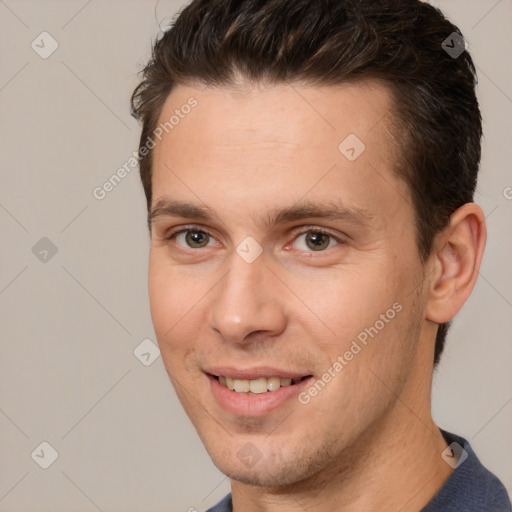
(309, 169)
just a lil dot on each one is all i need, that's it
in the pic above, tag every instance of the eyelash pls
(311, 229)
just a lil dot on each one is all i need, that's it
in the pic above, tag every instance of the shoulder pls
(225, 505)
(471, 487)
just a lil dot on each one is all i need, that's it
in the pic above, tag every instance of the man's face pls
(323, 290)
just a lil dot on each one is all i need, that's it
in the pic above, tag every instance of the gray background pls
(70, 321)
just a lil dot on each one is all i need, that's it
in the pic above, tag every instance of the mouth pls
(257, 386)
(257, 391)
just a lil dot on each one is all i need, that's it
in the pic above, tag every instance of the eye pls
(192, 238)
(315, 240)
(312, 240)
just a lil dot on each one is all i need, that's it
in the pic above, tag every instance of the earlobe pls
(458, 255)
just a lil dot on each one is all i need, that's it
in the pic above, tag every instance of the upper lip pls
(258, 372)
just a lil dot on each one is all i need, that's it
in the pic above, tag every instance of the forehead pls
(286, 113)
(261, 145)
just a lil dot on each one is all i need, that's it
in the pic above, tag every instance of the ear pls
(457, 256)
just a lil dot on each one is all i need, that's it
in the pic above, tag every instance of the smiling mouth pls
(257, 386)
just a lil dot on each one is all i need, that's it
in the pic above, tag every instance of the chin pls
(273, 469)
(261, 476)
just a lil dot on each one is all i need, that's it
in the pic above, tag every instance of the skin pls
(367, 441)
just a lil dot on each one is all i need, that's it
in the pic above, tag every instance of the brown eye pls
(316, 241)
(193, 239)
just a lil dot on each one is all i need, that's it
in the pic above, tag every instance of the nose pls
(246, 304)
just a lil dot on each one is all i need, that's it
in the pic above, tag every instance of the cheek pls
(370, 365)
(174, 303)
(345, 301)
(365, 316)
(162, 299)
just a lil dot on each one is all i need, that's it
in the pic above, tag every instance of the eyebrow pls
(329, 210)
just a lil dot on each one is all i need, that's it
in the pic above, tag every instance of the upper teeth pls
(254, 386)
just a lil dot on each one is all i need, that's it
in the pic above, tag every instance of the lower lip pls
(242, 404)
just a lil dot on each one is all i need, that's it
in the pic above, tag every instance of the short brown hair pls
(328, 42)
